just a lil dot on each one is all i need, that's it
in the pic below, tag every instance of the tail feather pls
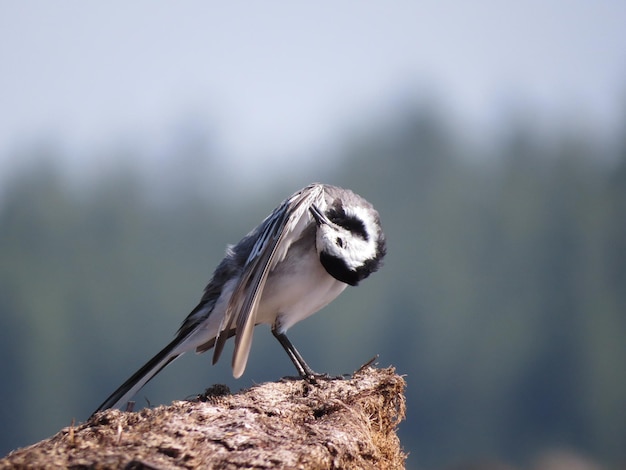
(140, 378)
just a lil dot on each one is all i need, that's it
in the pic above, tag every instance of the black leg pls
(303, 368)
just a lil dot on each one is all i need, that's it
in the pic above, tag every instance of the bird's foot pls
(314, 377)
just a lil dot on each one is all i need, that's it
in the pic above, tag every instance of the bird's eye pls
(339, 242)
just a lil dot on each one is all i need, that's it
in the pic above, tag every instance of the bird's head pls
(349, 240)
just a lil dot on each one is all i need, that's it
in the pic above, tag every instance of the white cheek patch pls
(358, 251)
(355, 251)
(327, 241)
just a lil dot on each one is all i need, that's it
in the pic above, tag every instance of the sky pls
(276, 80)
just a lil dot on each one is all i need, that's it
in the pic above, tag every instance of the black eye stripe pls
(349, 222)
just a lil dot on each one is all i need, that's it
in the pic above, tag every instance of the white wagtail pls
(300, 258)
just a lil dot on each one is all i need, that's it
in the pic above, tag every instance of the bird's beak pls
(319, 216)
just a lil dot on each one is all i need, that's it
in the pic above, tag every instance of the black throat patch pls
(338, 269)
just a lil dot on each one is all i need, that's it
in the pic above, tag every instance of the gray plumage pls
(300, 258)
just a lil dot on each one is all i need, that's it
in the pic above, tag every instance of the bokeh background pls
(138, 139)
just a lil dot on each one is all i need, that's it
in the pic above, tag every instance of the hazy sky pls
(281, 77)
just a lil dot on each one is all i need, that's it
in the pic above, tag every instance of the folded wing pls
(278, 232)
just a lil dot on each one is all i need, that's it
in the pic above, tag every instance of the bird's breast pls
(298, 287)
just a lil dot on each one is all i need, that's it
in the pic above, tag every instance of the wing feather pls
(280, 229)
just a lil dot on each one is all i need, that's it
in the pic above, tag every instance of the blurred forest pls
(502, 299)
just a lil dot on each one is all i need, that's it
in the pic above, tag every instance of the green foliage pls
(502, 297)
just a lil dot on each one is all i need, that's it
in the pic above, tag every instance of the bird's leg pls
(303, 368)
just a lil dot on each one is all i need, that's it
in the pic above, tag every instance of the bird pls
(295, 262)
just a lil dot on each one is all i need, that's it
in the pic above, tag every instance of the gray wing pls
(278, 231)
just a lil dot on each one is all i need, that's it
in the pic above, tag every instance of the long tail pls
(140, 378)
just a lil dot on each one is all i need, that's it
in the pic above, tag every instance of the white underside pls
(296, 289)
